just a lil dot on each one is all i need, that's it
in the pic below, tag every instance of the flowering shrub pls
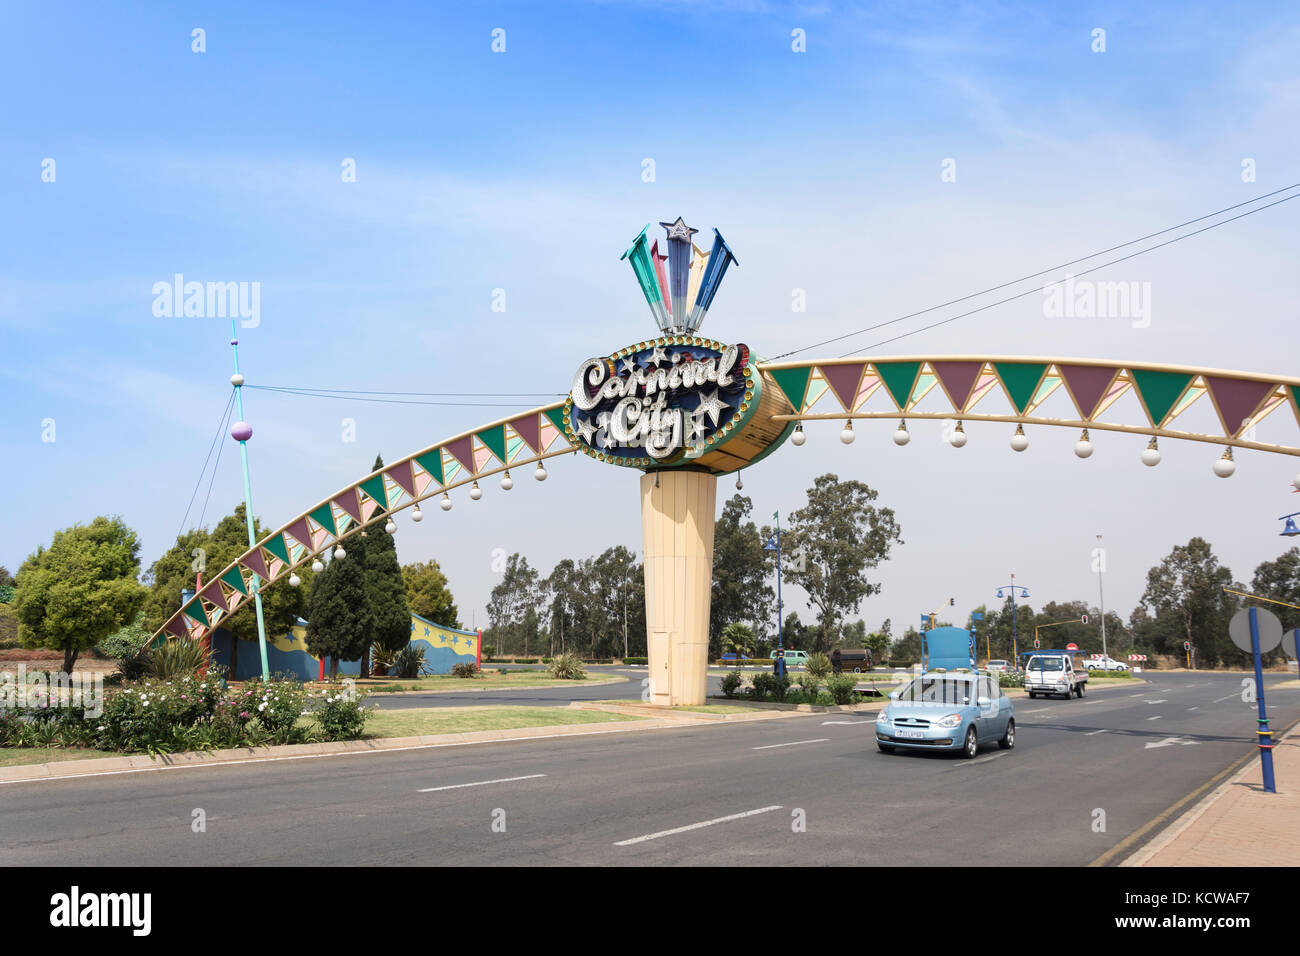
(341, 712)
(277, 705)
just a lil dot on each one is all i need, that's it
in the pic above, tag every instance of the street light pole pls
(1101, 594)
(1015, 641)
(775, 545)
(241, 433)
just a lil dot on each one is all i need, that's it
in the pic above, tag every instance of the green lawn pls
(439, 683)
(439, 720)
(721, 709)
(14, 756)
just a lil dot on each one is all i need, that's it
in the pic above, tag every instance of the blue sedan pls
(949, 711)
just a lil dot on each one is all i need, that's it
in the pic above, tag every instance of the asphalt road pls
(629, 689)
(727, 794)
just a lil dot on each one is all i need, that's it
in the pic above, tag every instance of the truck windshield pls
(1046, 664)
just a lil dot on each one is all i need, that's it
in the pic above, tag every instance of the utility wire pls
(1021, 295)
(221, 426)
(383, 401)
(1034, 275)
(230, 410)
(375, 391)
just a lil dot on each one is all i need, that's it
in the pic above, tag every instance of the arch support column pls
(677, 518)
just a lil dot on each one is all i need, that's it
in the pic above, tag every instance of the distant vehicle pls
(731, 657)
(856, 659)
(1103, 663)
(998, 666)
(1060, 672)
(947, 710)
(792, 658)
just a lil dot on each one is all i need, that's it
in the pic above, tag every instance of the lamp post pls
(774, 544)
(242, 432)
(1015, 642)
(1101, 594)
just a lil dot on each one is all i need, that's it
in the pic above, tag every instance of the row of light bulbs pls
(475, 493)
(1224, 467)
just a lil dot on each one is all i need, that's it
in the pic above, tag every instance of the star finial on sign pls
(586, 429)
(679, 230)
(629, 365)
(713, 405)
(657, 356)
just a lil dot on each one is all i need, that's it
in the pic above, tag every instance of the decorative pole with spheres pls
(241, 433)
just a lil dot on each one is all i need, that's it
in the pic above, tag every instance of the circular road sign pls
(1289, 641)
(1270, 629)
(1071, 647)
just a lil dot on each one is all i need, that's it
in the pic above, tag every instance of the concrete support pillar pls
(677, 514)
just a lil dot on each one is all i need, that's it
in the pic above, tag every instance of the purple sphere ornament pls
(242, 431)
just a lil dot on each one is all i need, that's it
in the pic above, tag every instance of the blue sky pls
(522, 171)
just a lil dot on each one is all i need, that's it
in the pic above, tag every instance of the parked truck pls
(1060, 672)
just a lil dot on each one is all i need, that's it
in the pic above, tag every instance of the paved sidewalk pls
(1238, 823)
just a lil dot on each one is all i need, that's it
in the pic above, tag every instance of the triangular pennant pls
(301, 532)
(235, 578)
(957, 379)
(794, 382)
(843, 380)
(1087, 384)
(1237, 400)
(215, 595)
(403, 476)
(556, 415)
(348, 502)
(374, 487)
(1159, 391)
(255, 562)
(495, 440)
(1020, 380)
(432, 463)
(176, 626)
(527, 429)
(278, 548)
(324, 516)
(462, 449)
(899, 377)
(195, 610)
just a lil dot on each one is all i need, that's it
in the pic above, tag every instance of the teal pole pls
(238, 381)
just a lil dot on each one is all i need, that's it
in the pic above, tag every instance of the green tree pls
(1185, 594)
(385, 589)
(508, 604)
(738, 638)
(8, 626)
(741, 573)
(842, 536)
(566, 598)
(339, 620)
(7, 588)
(907, 649)
(1279, 579)
(878, 643)
(81, 589)
(428, 595)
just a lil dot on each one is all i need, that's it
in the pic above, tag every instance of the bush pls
(809, 686)
(276, 706)
(464, 669)
(1010, 679)
(817, 665)
(129, 646)
(841, 688)
(178, 658)
(636, 660)
(731, 682)
(567, 666)
(341, 713)
(781, 686)
(1120, 674)
(761, 685)
(409, 662)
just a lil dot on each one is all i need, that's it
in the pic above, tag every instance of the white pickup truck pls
(1056, 672)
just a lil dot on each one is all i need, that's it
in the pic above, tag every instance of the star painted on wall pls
(713, 405)
(679, 230)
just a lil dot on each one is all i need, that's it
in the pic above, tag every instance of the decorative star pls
(713, 405)
(695, 425)
(679, 230)
(658, 355)
(629, 365)
(586, 429)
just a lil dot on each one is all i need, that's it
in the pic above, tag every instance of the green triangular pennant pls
(1295, 395)
(899, 377)
(794, 382)
(1020, 379)
(195, 610)
(235, 580)
(324, 516)
(432, 463)
(495, 440)
(374, 487)
(1159, 391)
(278, 548)
(556, 415)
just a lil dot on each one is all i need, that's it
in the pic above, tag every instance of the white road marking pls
(1156, 717)
(971, 763)
(846, 723)
(793, 743)
(1137, 695)
(696, 826)
(1192, 708)
(1161, 701)
(1041, 710)
(1094, 733)
(1222, 699)
(481, 783)
(1170, 741)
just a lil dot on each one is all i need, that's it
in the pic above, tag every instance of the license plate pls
(910, 734)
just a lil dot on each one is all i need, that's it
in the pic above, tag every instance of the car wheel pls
(1009, 738)
(884, 748)
(857, 670)
(972, 746)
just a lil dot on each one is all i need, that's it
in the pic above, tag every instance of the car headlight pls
(882, 717)
(952, 720)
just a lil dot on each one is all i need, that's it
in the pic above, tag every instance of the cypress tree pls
(339, 615)
(385, 589)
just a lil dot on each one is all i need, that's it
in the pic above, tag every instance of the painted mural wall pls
(288, 654)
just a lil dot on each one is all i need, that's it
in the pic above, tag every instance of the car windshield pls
(945, 690)
(996, 663)
(1045, 664)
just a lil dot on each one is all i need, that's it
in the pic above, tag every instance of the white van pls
(1056, 672)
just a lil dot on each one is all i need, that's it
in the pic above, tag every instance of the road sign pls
(1289, 641)
(1084, 619)
(1137, 657)
(1071, 647)
(1270, 629)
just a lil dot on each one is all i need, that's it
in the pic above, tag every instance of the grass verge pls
(419, 722)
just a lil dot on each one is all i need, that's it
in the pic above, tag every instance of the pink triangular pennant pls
(1087, 383)
(255, 562)
(1237, 399)
(301, 533)
(957, 379)
(213, 593)
(843, 380)
(402, 474)
(348, 502)
(526, 428)
(462, 449)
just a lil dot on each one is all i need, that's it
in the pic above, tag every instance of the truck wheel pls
(972, 746)
(884, 748)
(1009, 738)
(1033, 696)
(1079, 690)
